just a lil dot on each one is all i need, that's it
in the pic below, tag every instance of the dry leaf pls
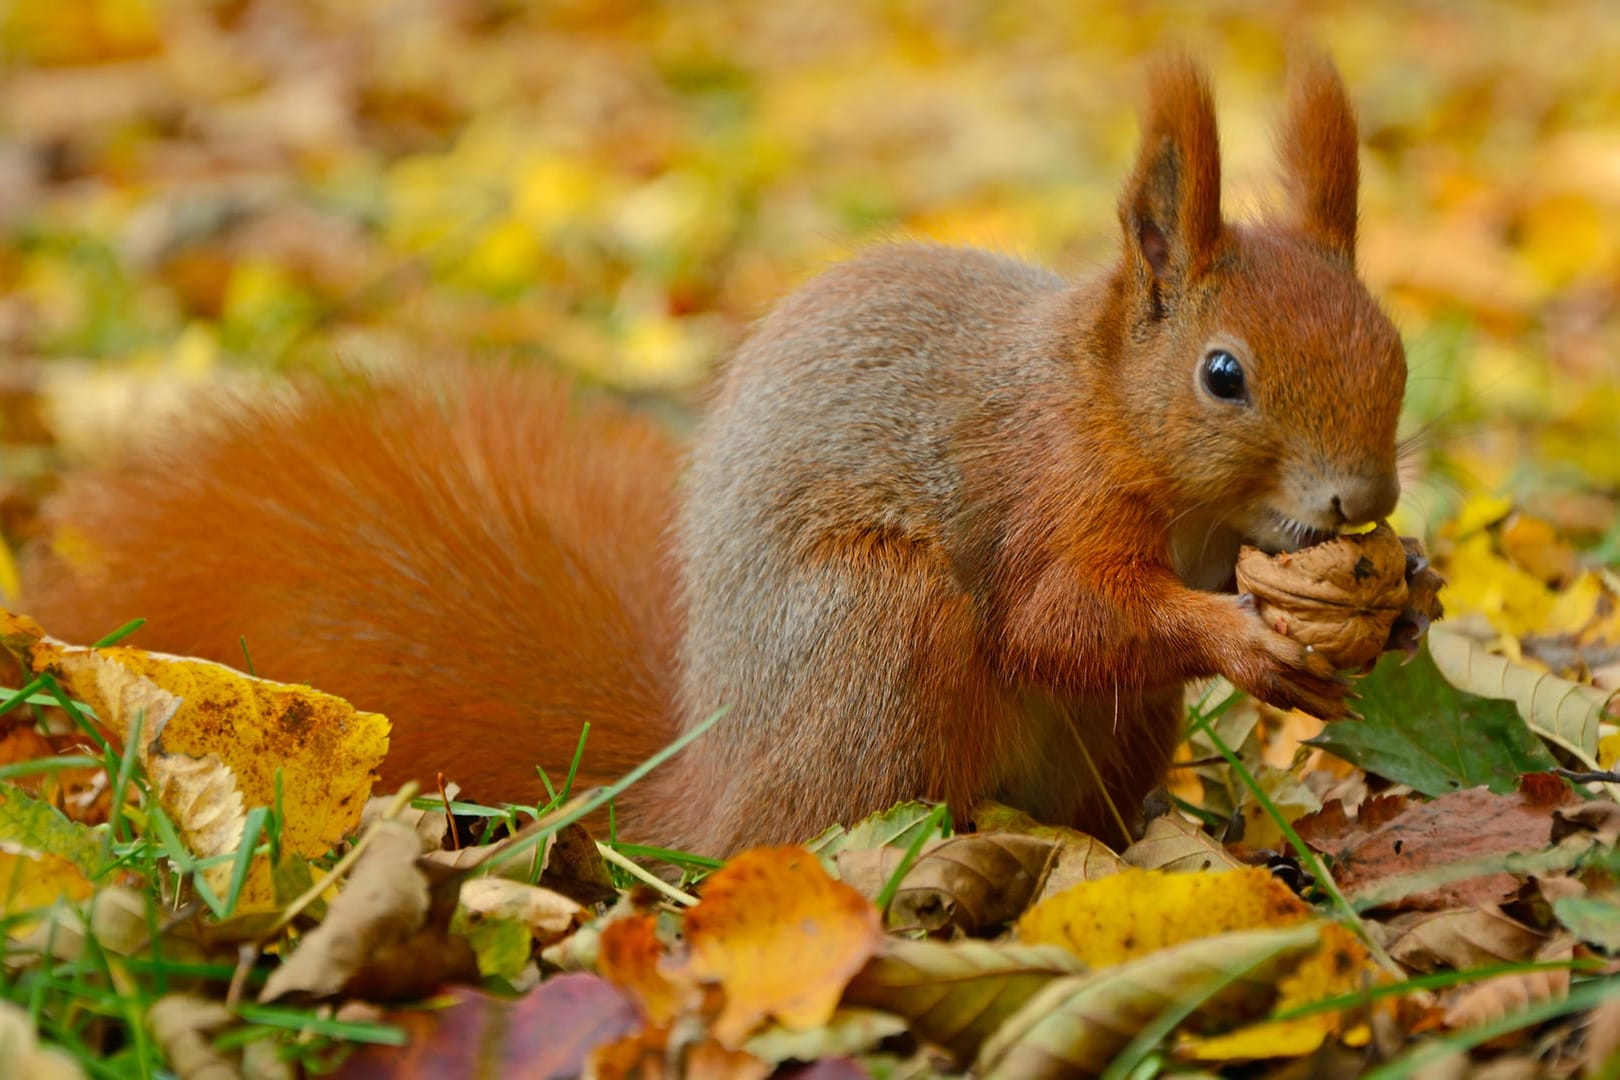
(1076, 1025)
(325, 751)
(549, 916)
(384, 901)
(956, 995)
(1172, 843)
(1427, 835)
(850, 1031)
(183, 1025)
(1564, 712)
(1462, 938)
(781, 937)
(22, 1056)
(969, 883)
(1340, 966)
(1487, 1001)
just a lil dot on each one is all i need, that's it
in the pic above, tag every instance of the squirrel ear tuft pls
(1318, 147)
(1171, 209)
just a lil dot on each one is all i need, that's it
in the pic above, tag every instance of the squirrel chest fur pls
(953, 527)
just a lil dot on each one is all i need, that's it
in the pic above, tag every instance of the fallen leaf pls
(1137, 912)
(955, 995)
(970, 883)
(547, 1034)
(1426, 835)
(384, 901)
(22, 1056)
(897, 826)
(1461, 938)
(184, 1026)
(1567, 713)
(739, 936)
(324, 750)
(1172, 843)
(548, 916)
(1418, 729)
(1075, 1026)
(1491, 1000)
(850, 1031)
(630, 955)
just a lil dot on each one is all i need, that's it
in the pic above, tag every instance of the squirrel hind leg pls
(860, 713)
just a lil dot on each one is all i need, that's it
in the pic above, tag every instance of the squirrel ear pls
(1318, 147)
(1171, 209)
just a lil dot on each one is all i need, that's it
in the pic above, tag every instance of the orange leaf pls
(781, 937)
(628, 958)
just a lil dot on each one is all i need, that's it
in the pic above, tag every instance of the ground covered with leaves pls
(195, 192)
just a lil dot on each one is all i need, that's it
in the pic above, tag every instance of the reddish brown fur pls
(954, 527)
(434, 549)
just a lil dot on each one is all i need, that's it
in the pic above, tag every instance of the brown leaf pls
(1493, 999)
(1445, 830)
(969, 883)
(384, 902)
(549, 916)
(956, 995)
(738, 937)
(1075, 1026)
(183, 1026)
(1460, 938)
(1172, 843)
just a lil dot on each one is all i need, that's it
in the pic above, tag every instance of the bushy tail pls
(476, 553)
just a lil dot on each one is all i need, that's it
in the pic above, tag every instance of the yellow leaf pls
(1135, 912)
(1608, 751)
(1479, 580)
(325, 750)
(1535, 547)
(30, 880)
(1478, 513)
(1338, 967)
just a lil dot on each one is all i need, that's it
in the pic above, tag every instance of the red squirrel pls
(953, 526)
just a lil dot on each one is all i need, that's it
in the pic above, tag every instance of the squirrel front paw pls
(1284, 673)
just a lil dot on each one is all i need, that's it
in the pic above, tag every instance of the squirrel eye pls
(1223, 376)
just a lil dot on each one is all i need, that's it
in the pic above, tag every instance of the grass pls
(87, 986)
(88, 993)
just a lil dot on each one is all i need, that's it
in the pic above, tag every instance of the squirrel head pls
(1252, 359)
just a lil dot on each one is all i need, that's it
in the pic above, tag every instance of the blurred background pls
(194, 192)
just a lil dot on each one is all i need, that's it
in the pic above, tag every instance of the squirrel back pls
(473, 551)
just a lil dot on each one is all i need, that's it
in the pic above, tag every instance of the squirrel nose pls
(1362, 499)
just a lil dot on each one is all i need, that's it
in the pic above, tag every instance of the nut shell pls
(1341, 597)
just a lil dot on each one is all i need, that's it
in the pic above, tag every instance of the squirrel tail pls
(476, 552)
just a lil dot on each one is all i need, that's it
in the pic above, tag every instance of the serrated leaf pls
(1418, 729)
(957, 994)
(1568, 713)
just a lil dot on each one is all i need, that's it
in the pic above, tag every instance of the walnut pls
(1349, 598)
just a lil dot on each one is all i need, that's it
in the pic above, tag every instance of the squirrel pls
(953, 527)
